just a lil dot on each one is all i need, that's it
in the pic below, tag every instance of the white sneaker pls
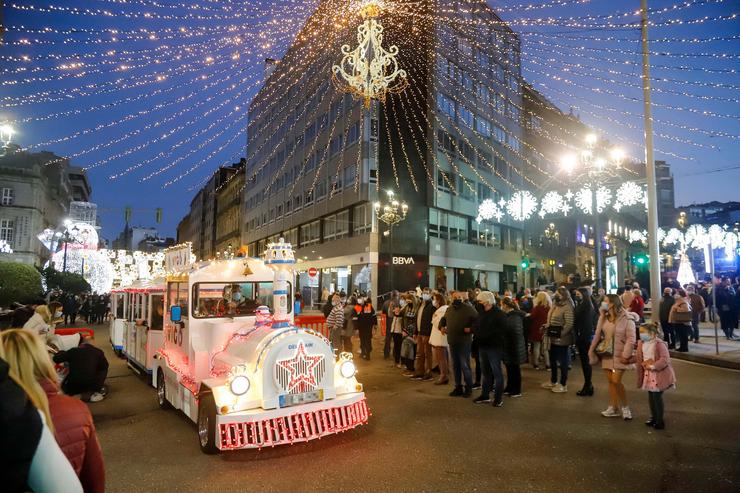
(626, 413)
(548, 385)
(611, 412)
(559, 389)
(97, 397)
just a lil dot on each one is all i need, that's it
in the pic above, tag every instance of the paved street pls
(419, 439)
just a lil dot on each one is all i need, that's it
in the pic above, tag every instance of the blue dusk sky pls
(153, 96)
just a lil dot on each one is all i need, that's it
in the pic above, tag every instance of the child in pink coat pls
(654, 372)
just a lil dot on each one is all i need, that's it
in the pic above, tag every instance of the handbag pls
(605, 347)
(554, 331)
(682, 317)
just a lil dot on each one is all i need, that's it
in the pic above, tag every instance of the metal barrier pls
(67, 331)
(312, 322)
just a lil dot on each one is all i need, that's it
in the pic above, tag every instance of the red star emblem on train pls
(301, 370)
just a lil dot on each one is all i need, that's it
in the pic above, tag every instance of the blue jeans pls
(559, 356)
(461, 363)
(493, 377)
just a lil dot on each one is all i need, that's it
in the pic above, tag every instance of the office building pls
(317, 160)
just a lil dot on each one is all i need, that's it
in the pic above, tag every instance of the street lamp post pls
(68, 236)
(391, 213)
(597, 169)
(6, 136)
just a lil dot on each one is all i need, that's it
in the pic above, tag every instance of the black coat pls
(20, 432)
(515, 350)
(583, 320)
(425, 324)
(87, 368)
(489, 329)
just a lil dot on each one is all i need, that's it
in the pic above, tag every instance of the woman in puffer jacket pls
(617, 328)
(73, 424)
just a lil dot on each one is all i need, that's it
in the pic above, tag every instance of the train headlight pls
(239, 385)
(347, 369)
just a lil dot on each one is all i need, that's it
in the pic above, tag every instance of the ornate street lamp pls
(369, 71)
(68, 236)
(391, 213)
(552, 234)
(6, 136)
(594, 197)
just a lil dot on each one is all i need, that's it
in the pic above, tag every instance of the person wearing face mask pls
(438, 340)
(423, 363)
(458, 326)
(490, 332)
(44, 319)
(583, 328)
(654, 372)
(397, 331)
(335, 322)
(408, 345)
(680, 319)
(613, 344)
(559, 331)
(365, 322)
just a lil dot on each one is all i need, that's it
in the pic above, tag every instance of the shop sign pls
(403, 261)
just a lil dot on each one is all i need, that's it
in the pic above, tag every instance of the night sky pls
(156, 106)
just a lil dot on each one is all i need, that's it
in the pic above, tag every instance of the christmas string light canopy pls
(369, 71)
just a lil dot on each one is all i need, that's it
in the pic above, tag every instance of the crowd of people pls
(479, 340)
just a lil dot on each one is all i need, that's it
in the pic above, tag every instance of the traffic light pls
(524, 263)
(640, 259)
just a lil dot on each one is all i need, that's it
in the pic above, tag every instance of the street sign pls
(313, 272)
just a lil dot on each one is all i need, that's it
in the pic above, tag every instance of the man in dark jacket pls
(665, 309)
(583, 327)
(88, 370)
(515, 349)
(490, 334)
(726, 308)
(457, 324)
(70, 307)
(423, 364)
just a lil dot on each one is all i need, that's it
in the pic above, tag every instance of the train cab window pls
(157, 311)
(215, 300)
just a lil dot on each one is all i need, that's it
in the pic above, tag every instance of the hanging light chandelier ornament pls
(369, 71)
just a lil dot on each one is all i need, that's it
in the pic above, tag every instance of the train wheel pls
(207, 424)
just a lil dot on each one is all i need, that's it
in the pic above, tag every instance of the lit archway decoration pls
(369, 71)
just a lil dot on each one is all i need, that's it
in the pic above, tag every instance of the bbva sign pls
(403, 260)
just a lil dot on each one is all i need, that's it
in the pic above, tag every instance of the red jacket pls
(75, 433)
(637, 306)
(538, 318)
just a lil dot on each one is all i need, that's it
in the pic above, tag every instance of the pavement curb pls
(706, 360)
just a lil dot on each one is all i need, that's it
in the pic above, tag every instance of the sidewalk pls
(705, 351)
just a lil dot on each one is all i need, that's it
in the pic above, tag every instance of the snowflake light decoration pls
(583, 200)
(489, 210)
(716, 235)
(5, 247)
(603, 199)
(696, 236)
(552, 203)
(521, 205)
(673, 237)
(638, 236)
(629, 193)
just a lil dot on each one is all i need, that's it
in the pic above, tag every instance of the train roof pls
(231, 270)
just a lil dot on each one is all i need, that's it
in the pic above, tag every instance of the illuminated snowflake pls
(603, 199)
(696, 237)
(716, 235)
(552, 203)
(628, 194)
(673, 237)
(521, 206)
(638, 236)
(583, 199)
(488, 210)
